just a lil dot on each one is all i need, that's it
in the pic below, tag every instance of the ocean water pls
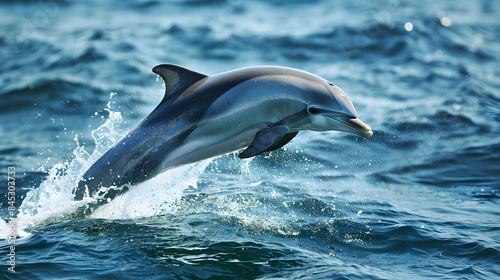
(418, 200)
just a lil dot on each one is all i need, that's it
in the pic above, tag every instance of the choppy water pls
(419, 200)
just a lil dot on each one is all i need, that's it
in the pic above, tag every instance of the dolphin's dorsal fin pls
(265, 140)
(176, 78)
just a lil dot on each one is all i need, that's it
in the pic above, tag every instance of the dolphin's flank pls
(257, 109)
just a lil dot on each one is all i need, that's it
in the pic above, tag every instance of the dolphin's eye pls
(330, 84)
(312, 110)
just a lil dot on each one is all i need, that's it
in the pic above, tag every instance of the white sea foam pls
(157, 196)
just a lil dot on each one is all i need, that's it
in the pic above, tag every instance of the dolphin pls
(259, 109)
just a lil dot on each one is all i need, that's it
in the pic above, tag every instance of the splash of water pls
(53, 200)
(157, 196)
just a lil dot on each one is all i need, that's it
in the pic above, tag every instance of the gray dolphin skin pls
(260, 109)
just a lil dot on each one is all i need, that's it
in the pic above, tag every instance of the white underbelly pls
(199, 147)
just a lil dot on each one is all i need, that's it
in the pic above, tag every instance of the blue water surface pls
(418, 200)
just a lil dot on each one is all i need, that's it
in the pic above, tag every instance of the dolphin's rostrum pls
(257, 108)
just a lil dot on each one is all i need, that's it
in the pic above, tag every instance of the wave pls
(55, 96)
(472, 166)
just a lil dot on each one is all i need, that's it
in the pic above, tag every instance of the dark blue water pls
(419, 200)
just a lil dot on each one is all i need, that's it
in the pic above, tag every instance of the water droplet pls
(479, 38)
(446, 21)
(408, 26)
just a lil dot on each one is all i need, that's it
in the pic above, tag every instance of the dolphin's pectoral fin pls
(287, 138)
(177, 79)
(265, 140)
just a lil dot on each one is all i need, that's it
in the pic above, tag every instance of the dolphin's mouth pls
(356, 126)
